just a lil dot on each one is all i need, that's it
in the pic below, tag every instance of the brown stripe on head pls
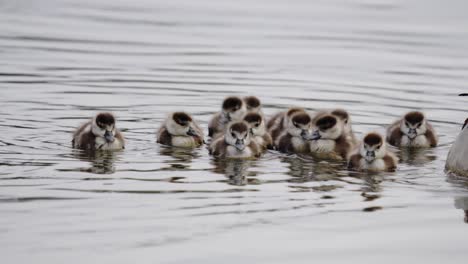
(239, 127)
(232, 104)
(294, 110)
(341, 113)
(373, 139)
(181, 118)
(414, 117)
(301, 118)
(104, 119)
(252, 102)
(326, 122)
(253, 118)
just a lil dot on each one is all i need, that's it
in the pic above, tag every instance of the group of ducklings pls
(240, 130)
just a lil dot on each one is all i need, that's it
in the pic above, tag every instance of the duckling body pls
(235, 143)
(329, 139)
(233, 109)
(413, 130)
(258, 131)
(99, 134)
(295, 138)
(279, 122)
(373, 155)
(180, 130)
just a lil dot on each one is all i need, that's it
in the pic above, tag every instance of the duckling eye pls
(419, 125)
(378, 147)
(232, 134)
(296, 124)
(256, 125)
(407, 124)
(346, 121)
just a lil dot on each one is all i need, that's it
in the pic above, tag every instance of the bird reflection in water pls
(236, 171)
(182, 157)
(416, 156)
(102, 162)
(462, 203)
(304, 169)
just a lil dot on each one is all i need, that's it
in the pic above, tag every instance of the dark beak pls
(370, 155)
(315, 136)
(251, 131)
(109, 137)
(192, 132)
(240, 145)
(412, 133)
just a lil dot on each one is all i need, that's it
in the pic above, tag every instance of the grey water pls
(63, 61)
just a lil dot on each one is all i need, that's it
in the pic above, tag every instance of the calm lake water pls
(63, 61)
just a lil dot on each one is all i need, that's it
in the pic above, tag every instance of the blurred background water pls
(63, 61)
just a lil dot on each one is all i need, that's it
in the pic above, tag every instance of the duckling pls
(253, 104)
(413, 130)
(99, 133)
(457, 159)
(233, 109)
(329, 138)
(180, 130)
(345, 118)
(295, 138)
(236, 143)
(372, 155)
(258, 130)
(278, 123)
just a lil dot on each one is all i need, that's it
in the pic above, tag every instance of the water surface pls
(63, 61)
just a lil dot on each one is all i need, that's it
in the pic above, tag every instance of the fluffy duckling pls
(373, 155)
(413, 130)
(253, 104)
(278, 123)
(236, 143)
(345, 118)
(329, 138)
(99, 133)
(298, 132)
(233, 109)
(180, 130)
(258, 131)
(457, 159)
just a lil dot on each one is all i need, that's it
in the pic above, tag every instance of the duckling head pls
(413, 124)
(234, 109)
(180, 124)
(238, 135)
(103, 125)
(256, 124)
(300, 125)
(253, 104)
(345, 119)
(327, 127)
(372, 147)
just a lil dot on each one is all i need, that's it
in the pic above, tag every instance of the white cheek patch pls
(184, 142)
(322, 146)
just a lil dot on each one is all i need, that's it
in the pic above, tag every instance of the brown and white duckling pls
(345, 118)
(258, 131)
(295, 138)
(329, 138)
(253, 104)
(180, 130)
(236, 143)
(279, 122)
(457, 159)
(233, 109)
(373, 155)
(99, 133)
(413, 130)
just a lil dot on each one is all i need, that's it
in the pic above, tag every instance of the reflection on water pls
(63, 61)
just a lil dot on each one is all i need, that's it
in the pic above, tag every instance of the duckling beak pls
(412, 133)
(227, 117)
(109, 137)
(370, 155)
(192, 132)
(240, 145)
(315, 135)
